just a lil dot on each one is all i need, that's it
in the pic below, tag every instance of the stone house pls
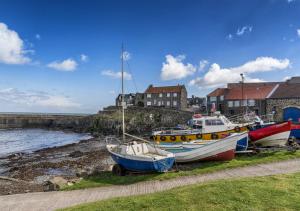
(197, 104)
(237, 97)
(131, 99)
(286, 96)
(166, 96)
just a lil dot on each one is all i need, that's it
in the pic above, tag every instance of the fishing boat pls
(203, 127)
(242, 144)
(139, 157)
(222, 150)
(273, 135)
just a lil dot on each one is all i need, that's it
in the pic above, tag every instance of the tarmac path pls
(61, 199)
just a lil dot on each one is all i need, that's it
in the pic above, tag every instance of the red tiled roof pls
(164, 89)
(217, 92)
(250, 91)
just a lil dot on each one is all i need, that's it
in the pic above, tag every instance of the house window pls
(160, 94)
(251, 102)
(168, 94)
(230, 104)
(154, 103)
(159, 103)
(237, 103)
(148, 103)
(148, 95)
(168, 103)
(174, 103)
(174, 94)
(244, 103)
(221, 97)
(213, 99)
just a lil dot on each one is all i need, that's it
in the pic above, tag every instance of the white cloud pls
(290, 1)
(174, 68)
(217, 76)
(66, 65)
(243, 30)
(286, 78)
(126, 56)
(84, 58)
(11, 47)
(229, 37)
(118, 75)
(203, 64)
(35, 99)
(38, 37)
(298, 32)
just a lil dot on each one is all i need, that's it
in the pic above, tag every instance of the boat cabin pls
(209, 124)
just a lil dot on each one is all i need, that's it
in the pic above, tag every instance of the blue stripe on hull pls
(145, 166)
(242, 144)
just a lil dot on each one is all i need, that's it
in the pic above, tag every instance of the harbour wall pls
(78, 123)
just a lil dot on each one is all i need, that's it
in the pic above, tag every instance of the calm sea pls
(28, 140)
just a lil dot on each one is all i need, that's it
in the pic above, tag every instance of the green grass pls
(106, 178)
(281, 192)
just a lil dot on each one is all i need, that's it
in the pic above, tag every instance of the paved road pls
(55, 200)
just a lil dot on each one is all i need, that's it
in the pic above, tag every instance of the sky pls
(63, 56)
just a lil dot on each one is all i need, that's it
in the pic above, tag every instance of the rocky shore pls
(47, 169)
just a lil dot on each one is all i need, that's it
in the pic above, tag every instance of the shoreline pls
(70, 162)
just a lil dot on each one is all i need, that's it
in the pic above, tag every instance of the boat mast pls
(123, 102)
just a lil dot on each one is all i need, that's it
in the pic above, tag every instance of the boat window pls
(211, 122)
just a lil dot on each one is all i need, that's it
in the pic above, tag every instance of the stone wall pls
(138, 120)
(279, 105)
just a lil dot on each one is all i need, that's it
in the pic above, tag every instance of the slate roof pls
(164, 89)
(286, 90)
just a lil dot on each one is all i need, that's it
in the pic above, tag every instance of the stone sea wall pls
(77, 123)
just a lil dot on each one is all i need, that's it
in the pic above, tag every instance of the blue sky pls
(64, 56)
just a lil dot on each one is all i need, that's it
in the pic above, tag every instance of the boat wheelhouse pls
(201, 127)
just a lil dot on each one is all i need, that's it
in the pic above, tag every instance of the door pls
(291, 113)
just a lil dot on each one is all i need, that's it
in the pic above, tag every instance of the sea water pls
(28, 140)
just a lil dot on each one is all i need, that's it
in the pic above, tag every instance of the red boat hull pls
(223, 156)
(270, 131)
(295, 127)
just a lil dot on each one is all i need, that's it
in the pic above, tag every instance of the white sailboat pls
(133, 156)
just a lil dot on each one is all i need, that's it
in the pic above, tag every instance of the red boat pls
(273, 135)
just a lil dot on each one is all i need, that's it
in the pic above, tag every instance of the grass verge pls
(106, 178)
(281, 192)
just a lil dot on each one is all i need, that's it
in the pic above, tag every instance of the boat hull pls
(242, 144)
(222, 150)
(279, 139)
(144, 166)
(295, 132)
(274, 135)
(173, 138)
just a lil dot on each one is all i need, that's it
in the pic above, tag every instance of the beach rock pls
(49, 186)
(55, 184)
(76, 154)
